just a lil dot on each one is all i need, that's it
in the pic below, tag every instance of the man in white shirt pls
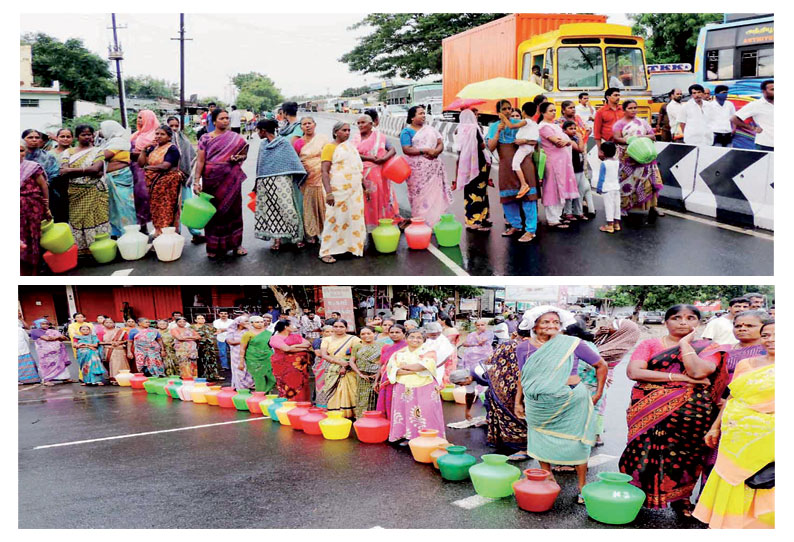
(399, 312)
(674, 110)
(176, 315)
(269, 325)
(585, 111)
(694, 119)
(221, 324)
(500, 330)
(235, 119)
(311, 325)
(438, 343)
(763, 113)
(720, 330)
(722, 111)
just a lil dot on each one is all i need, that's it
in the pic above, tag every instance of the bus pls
(739, 53)
(424, 94)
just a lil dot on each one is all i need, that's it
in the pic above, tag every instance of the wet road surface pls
(673, 246)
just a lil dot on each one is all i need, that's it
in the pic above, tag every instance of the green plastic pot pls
(161, 383)
(612, 499)
(386, 236)
(448, 231)
(455, 464)
(103, 249)
(56, 237)
(196, 212)
(172, 388)
(240, 399)
(446, 392)
(493, 478)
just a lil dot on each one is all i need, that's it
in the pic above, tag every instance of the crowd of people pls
(701, 410)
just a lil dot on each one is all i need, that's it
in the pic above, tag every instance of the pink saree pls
(379, 201)
(428, 189)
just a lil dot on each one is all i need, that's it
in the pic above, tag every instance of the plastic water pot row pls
(610, 500)
(387, 236)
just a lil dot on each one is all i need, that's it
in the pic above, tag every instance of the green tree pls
(657, 297)
(408, 44)
(213, 99)
(671, 37)
(444, 292)
(146, 86)
(354, 91)
(83, 74)
(257, 92)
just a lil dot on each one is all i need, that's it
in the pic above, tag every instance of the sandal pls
(328, 259)
(558, 226)
(510, 231)
(240, 252)
(579, 499)
(522, 192)
(583, 218)
(275, 247)
(526, 238)
(617, 226)
(518, 456)
(607, 229)
(48, 384)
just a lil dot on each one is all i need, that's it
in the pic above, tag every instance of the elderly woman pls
(640, 184)
(365, 362)
(160, 163)
(375, 150)
(33, 208)
(147, 347)
(34, 151)
(557, 407)
(168, 354)
(114, 348)
(416, 403)
(279, 174)
(310, 147)
(255, 354)
(208, 362)
(674, 402)
(51, 352)
(319, 367)
(745, 432)
(241, 379)
(115, 148)
(219, 173)
(559, 180)
(340, 382)
(344, 229)
(87, 346)
(290, 362)
(473, 171)
(385, 388)
(428, 189)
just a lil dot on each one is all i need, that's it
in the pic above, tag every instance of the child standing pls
(573, 207)
(609, 186)
(526, 139)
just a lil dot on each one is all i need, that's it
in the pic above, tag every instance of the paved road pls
(256, 473)
(674, 246)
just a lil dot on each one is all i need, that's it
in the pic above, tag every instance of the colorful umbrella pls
(465, 103)
(500, 87)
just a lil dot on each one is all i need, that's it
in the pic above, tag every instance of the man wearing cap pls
(446, 355)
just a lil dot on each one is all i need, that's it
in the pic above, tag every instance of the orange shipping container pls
(490, 50)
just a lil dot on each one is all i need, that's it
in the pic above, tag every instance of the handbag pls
(763, 479)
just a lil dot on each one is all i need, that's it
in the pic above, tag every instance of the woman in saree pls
(219, 173)
(241, 379)
(146, 123)
(450, 331)
(51, 352)
(559, 180)
(33, 208)
(160, 164)
(59, 188)
(185, 348)
(473, 171)
(187, 164)
(118, 175)
(88, 194)
(344, 229)
(640, 184)
(383, 386)
(208, 360)
(383, 337)
(479, 346)
(374, 150)
(319, 367)
(557, 407)
(87, 346)
(365, 362)
(114, 348)
(673, 404)
(73, 330)
(255, 355)
(745, 434)
(26, 367)
(290, 360)
(168, 354)
(340, 382)
(147, 347)
(310, 149)
(279, 174)
(35, 152)
(428, 190)
(416, 403)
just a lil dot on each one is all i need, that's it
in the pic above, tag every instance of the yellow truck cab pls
(588, 57)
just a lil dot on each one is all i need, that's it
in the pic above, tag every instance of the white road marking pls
(121, 273)
(455, 268)
(147, 433)
(714, 223)
(470, 503)
(600, 459)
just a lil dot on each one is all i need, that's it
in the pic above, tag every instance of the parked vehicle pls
(651, 317)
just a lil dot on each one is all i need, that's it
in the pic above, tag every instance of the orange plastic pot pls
(294, 415)
(423, 445)
(396, 169)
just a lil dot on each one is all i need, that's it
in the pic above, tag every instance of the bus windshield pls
(625, 68)
(427, 94)
(580, 67)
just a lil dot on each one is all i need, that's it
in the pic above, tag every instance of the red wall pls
(150, 302)
(31, 311)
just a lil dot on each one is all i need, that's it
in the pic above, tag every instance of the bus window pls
(757, 63)
(526, 66)
(548, 72)
(579, 68)
(719, 65)
(625, 67)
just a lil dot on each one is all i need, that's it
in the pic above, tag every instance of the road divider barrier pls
(733, 186)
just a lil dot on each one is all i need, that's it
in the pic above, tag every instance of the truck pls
(575, 53)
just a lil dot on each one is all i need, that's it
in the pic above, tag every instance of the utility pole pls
(116, 54)
(181, 40)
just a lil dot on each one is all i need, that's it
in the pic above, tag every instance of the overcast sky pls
(299, 52)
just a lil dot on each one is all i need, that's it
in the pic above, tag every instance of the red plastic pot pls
(396, 169)
(310, 423)
(137, 380)
(63, 262)
(373, 428)
(254, 400)
(225, 397)
(294, 415)
(537, 492)
(418, 234)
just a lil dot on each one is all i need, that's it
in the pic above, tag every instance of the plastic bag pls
(642, 150)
